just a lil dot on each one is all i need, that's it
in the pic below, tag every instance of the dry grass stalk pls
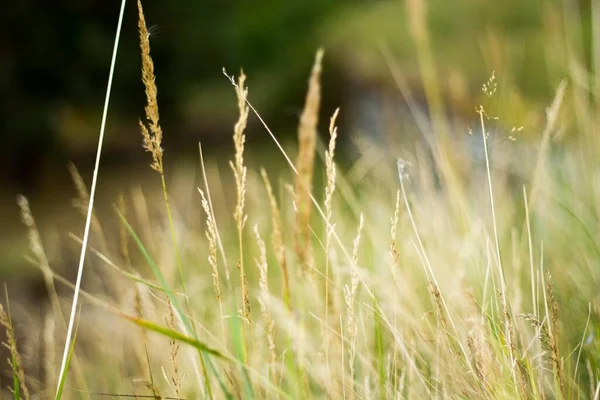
(394, 256)
(239, 139)
(439, 305)
(36, 247)
(393, 251)
(151, 130)
(350, 299)
(82, 202)
(553, 335)
(329, 190)
(11, 345)
(307, 139)
(330, 166)
(278, 243)
(239, 172)
(211, 236)
(263, 300)
(174, 350)
(475, 349)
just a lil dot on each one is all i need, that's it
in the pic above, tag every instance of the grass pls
(435, 275)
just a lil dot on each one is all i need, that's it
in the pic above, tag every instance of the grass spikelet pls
(15, 361)
(356, 243)
(307, 139)
(239, 173)
(439, 305)
(329, 190)
(475, 350)
(278, 243)
(393, 251)
(330, 166)
(263, 299)
(211, 236)
(151, 130)
(239, 139)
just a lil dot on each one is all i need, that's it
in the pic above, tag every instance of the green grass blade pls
(240, 351)
(63, 378)
(16, 383)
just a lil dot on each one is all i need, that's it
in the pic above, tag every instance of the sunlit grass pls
(437, 274)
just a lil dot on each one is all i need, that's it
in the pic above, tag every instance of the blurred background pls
(55, 58)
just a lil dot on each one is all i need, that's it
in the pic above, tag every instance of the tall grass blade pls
(67, 350)
(240, 351)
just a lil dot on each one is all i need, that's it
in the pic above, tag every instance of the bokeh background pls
(55, 58)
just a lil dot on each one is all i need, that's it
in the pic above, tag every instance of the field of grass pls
(440, 274)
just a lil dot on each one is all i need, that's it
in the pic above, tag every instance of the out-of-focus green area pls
(55, 59)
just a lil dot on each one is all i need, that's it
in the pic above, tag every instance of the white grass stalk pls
(530, 242)
(91, 202)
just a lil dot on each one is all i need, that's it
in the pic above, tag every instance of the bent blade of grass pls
(67, 351)
(174, 335)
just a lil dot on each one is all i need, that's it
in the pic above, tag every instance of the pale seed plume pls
(329, 189)
(307, 139)
(239, 173)
(263, 299)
